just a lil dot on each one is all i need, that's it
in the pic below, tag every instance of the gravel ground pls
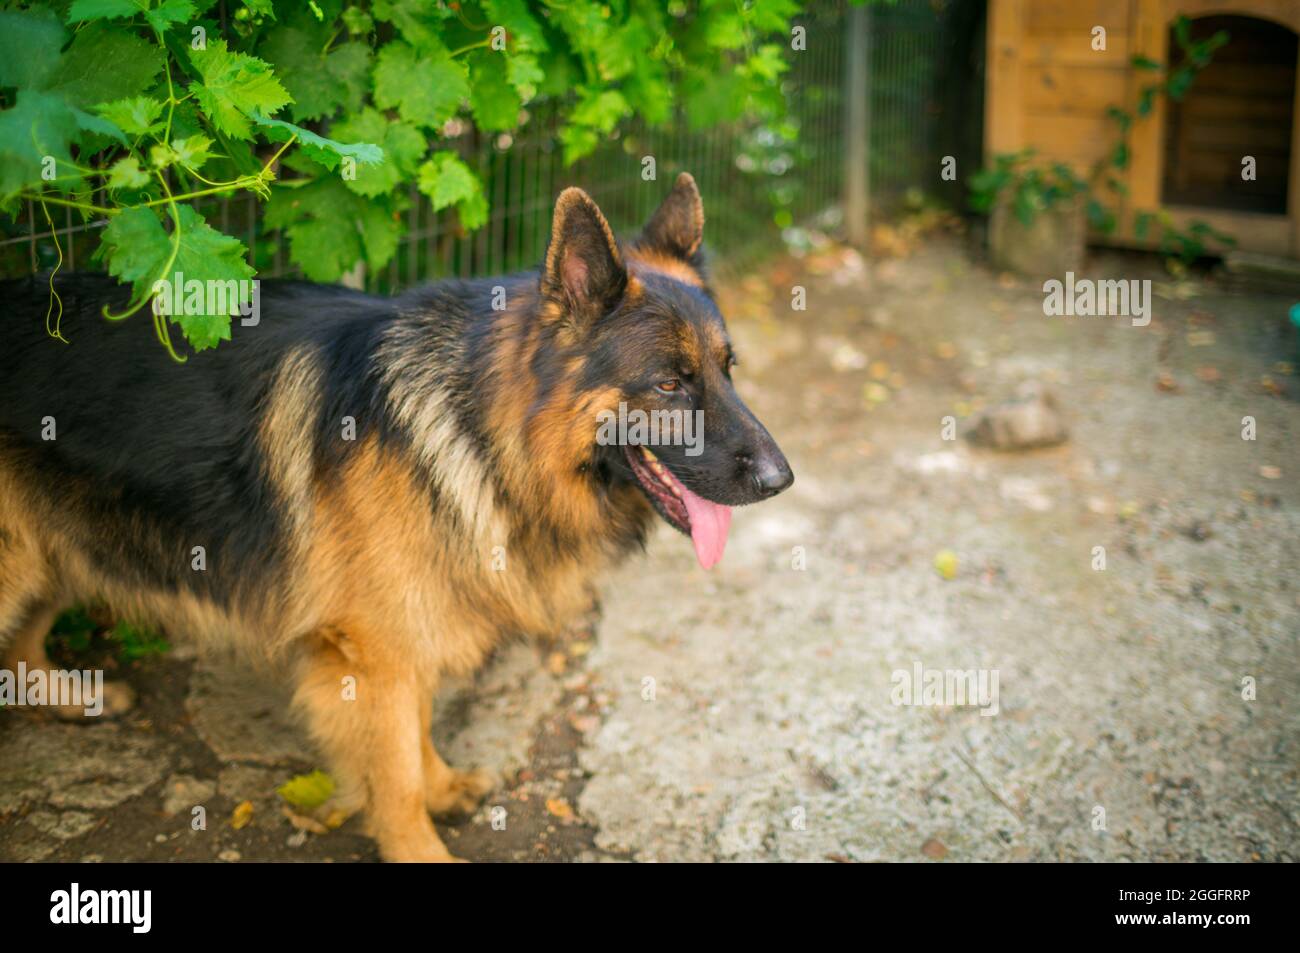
(749, 713)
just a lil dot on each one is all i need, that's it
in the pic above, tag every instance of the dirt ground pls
(748, 713)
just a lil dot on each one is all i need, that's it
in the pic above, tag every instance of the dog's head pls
(656, 348)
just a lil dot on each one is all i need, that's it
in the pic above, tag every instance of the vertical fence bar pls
(857, 65)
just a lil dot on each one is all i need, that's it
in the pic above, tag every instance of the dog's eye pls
(669, 386)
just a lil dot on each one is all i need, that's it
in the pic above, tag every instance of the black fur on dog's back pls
(140, 437)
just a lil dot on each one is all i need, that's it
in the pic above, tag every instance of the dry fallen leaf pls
(559, 807)
(241, 815)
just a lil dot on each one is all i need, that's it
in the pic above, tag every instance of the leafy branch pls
(138, 112)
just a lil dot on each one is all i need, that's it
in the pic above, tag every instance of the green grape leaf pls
(525, 75)
(381, 230)
(137, 116)
(320, 83)
(126, 173)
(403, 145)
(425, 89)
(330, 228)
(30, 41)
(191, 152)
(138, 250)
(578, 141)
(234, 85)
(523, 32)
(97, 125)
(209, 255)
(772, 16)
(448, 181)
(360, 151)
(623, 52)
(492, 99)
(418, 21)
(85, 10)
(169, 13)
(767, 64)
(105, 63)
(724, 28)
(39, 127)
(358, 21)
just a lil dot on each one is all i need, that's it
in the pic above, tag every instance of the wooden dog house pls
(1049, 89)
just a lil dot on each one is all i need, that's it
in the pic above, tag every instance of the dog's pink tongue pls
(709, 525)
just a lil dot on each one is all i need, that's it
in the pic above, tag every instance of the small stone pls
(934, 849)
(229, 855)
(182, 793)
(1031, 419)
(63, 826)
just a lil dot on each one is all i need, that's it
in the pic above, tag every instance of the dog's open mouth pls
(704, 521)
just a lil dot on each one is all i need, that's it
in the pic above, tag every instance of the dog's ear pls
(677, 226)
(584, 270)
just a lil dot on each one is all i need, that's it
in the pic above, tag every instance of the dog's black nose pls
(772, 475)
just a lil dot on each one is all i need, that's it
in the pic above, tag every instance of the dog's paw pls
(117, 699)
(461, 793)
(418, 850)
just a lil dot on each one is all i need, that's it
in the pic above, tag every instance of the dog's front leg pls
(448, 791)
(364, 709)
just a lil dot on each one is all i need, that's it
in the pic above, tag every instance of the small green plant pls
(80, 632)
(1032, 186)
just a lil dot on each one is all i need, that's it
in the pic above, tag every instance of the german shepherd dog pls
(380, 486)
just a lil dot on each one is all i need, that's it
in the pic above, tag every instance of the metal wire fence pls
(755, 181)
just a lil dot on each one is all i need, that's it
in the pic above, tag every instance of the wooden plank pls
(1003, 105)
(1147, 139)
(1077, 140)
(1053, 16)
(1072, 90)
(1075, 49)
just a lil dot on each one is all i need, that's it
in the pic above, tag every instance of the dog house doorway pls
(1241, 105)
